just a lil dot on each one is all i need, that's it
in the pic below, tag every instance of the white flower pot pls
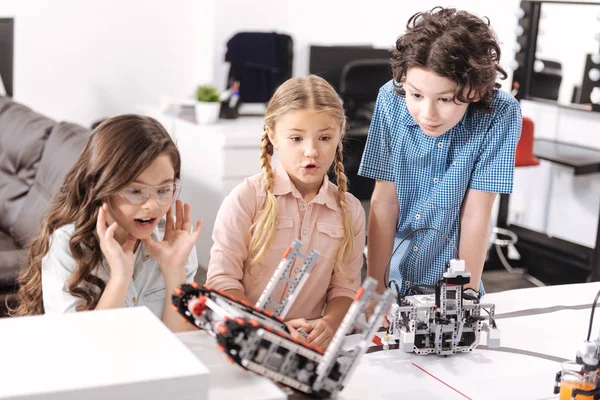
(207, 113)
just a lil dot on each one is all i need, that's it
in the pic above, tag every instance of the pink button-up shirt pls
(318, 224)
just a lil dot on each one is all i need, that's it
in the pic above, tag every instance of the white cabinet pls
(215, 158)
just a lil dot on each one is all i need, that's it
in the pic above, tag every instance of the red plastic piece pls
(199, 306)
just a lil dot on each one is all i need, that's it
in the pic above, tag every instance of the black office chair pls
(359, 85)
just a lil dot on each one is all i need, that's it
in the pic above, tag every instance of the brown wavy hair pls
(115, 154)
(456, 45)
(310, 92)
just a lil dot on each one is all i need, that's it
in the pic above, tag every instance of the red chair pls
(501, 237)
(524, 156)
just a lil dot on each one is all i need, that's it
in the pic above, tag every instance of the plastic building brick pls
(256, 337)
(445, 322)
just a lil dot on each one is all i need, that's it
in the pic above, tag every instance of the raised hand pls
(120, 257)
(174, 250)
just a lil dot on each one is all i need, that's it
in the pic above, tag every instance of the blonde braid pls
(345, 249)
(264, 227)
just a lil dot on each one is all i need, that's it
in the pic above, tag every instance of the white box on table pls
(109, 354)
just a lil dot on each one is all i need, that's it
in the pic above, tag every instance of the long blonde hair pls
(115, 154)
(310, 92)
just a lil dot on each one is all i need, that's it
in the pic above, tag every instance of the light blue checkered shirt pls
(432, 175)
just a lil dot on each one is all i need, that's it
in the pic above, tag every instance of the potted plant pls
(207, 104)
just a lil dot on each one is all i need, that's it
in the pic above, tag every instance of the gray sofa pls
(35, 154)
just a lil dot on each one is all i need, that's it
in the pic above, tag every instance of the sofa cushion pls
(23, 134)
(64, 146)
(11, 260)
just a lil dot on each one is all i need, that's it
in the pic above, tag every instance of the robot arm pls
(258, 340)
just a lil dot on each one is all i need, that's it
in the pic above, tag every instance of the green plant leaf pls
(207, 94)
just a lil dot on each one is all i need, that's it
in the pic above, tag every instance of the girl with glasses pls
(105, 242)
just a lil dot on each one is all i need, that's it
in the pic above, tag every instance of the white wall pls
(85, 60)
(376, 22)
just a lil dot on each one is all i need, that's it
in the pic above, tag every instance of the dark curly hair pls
(456, 45)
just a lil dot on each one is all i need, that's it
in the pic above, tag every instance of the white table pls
(227, 380)
(540, 327)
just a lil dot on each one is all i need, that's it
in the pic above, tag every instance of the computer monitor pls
(329, 61)
(7, 53)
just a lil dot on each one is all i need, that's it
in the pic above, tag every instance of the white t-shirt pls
(146, 289)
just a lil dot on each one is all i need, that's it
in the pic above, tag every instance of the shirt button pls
(277, 222)
(417, 216)
(415, 248)
(453, 162)
(435, 180)
(133, 299)
(309, 206)
(302, 206)
(441, 144)
(407, 283)
(304, 232)
(333, 231)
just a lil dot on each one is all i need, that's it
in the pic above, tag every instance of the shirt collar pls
(284, 185)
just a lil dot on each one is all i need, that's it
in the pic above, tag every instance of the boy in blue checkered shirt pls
(441, 145)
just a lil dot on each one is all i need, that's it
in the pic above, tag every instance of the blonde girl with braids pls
(260, 218)
(103, 243)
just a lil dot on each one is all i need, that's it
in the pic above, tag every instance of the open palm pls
(173, 251)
